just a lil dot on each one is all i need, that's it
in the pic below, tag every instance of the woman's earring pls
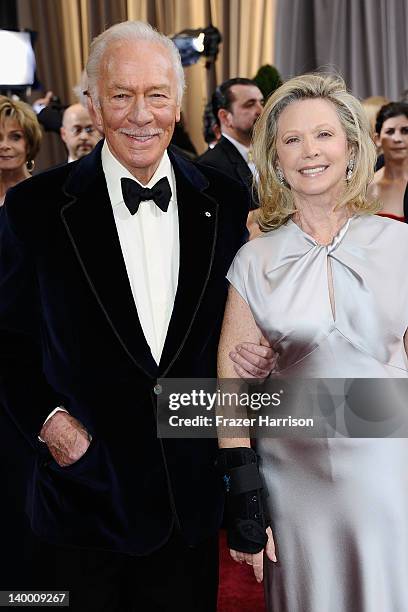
(280, 176)
(350, 169)
(30, 165)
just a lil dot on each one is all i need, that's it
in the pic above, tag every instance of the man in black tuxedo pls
(112, 274)
(236, 104)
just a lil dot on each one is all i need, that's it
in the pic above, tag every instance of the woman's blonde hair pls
(276, 199)
(27, 120)
(371, 107)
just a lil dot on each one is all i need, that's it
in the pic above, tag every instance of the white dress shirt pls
(150, 247)
(244, 152)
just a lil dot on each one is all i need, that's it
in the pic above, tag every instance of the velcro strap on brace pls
(243, 479)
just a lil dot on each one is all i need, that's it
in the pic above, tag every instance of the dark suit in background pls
(226, 158)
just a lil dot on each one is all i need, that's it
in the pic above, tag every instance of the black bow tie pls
(133, 194)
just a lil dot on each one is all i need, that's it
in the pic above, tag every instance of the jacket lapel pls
(198, 217)
(89, 222)
(242, 169)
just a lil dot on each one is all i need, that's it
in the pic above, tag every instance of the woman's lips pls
(313, 170)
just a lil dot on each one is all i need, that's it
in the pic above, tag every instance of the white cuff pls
(37, 108)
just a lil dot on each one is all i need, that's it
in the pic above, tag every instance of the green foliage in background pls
(267, 79)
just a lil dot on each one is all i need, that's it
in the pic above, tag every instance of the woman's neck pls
(395, 170)
(320, 219)
(9, 178)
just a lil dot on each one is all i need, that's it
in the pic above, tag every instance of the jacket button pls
(157, 389)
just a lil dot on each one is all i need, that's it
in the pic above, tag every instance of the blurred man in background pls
(78, 132)
(237, 104)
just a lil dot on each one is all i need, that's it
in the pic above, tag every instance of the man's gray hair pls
(129, 31)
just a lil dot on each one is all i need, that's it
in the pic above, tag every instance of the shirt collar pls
(241, 148)
(114, 171)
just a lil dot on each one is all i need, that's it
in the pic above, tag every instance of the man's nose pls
(140, 112)
(258, 108)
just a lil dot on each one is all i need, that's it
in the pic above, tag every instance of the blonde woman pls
(20, 138)
(322, 285)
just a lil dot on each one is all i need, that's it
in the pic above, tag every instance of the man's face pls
(78, 132)
(245, 110)
(138, 104)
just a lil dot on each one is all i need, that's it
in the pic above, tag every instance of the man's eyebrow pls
(149, 88)
(120, 86)
(159, 86)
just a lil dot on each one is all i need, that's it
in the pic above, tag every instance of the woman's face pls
(312, 148)
(393, 138)
(13, 145)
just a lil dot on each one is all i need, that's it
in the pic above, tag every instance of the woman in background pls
(20, 138)
(389, 186)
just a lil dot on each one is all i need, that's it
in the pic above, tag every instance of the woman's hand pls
(254, 362)
(257, 560)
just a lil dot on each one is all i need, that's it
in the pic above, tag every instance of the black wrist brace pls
(245, 503)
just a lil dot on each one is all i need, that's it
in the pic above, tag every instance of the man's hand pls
(46, 100)
(254, 361)
(252, 224)
(66, 438)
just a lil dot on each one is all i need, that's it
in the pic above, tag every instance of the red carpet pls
(239, 591)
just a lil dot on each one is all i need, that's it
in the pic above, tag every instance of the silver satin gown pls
(339, 506)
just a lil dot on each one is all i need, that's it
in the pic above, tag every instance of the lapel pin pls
(207, 214)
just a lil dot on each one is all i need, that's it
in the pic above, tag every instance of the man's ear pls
(96, 115)
(225, 117)
(63, 134)
(178, 113)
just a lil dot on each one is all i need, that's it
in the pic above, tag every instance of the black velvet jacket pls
(70, 334)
